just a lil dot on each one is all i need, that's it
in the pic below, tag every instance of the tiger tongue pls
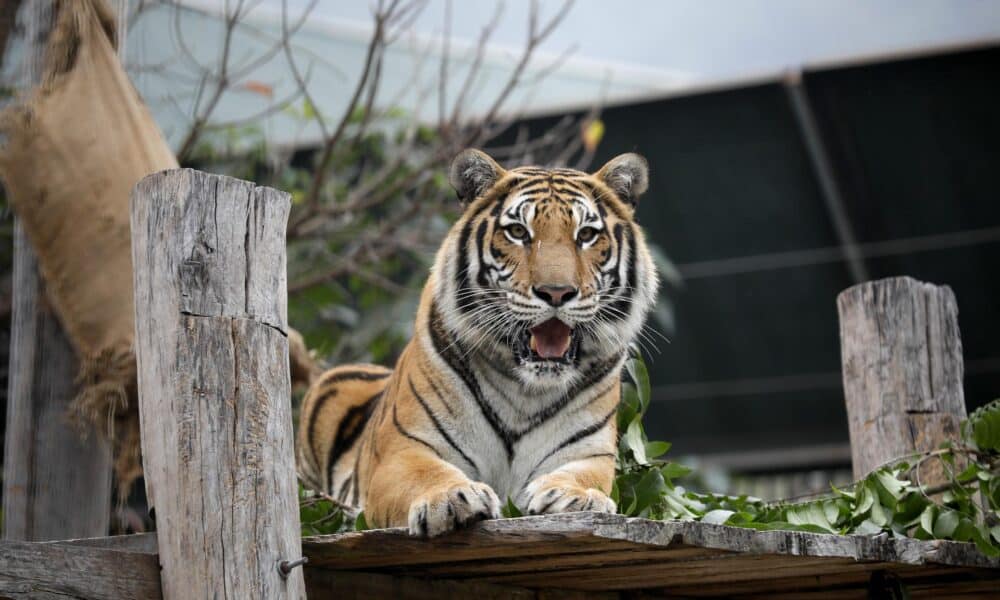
(550, 339)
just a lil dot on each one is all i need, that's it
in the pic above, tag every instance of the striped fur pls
(471, 414)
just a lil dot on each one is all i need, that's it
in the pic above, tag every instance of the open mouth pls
(551, 341)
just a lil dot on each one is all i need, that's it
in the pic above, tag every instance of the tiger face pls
(546, 275)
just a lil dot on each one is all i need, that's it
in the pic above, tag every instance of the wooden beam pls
(902, 366)
(29, 571)
(214, 391)
(364, 586)
(590, 552)
(56, 483)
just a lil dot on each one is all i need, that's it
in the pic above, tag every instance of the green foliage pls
(510, 510)
(982, 429)
(321, 515)
(884, 501)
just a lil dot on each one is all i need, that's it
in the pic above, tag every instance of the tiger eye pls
(586, 234)
(517, 231)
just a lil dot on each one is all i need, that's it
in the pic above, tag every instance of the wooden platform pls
(577, 555)
(593, 555)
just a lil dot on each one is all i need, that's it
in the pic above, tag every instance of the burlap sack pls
(75, 147)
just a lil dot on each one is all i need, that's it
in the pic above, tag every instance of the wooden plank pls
(321, 583)
(902, 367)
(214, 390)
(525, 537)
(589, 532)
(33, 570)
(603, 556)
(825, 582)
(56, 484)
(592, 552)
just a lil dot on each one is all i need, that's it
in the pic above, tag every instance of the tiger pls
(509, 386)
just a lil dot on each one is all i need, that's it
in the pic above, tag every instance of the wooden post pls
(902, 366)
(56, 484)
(214, 391)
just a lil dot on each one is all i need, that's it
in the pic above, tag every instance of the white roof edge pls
(361, 31)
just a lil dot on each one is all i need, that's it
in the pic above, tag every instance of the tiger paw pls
(444, 510)
(550, 499)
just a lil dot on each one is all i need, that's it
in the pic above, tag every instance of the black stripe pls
(480, 242)
(348, 430)
(600, 196)
(617, 286)
(320, 401)
(437, 391)
(342, 494)
(358, 374)
(451, 353)
(407, 434)
(595, 373)
(440, 429)
(576, 437)
(465, 300)
(598, 455)
(311, 430)
(629, 284)
(530, 191)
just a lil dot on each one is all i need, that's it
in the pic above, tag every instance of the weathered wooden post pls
(56, 485)
(214, 391)
(902, 366)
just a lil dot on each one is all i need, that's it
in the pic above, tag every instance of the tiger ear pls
(627, 175)
(472, 173)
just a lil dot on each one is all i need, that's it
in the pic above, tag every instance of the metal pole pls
(823, 169)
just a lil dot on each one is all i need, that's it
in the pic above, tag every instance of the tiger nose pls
(556, 295)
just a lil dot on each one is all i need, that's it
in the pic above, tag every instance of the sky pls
(716, 39)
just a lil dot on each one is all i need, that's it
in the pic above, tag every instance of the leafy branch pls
(965, 508)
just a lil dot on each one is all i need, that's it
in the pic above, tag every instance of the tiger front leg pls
(576, 486)
(429, 496)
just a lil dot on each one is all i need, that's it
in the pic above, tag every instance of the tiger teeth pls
(532, 344)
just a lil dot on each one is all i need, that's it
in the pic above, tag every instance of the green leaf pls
(981, 537)
(641, 378)
(984, 424)
(718, 516)
(812, 513)
(649, 490)
(628, 408)
(891, 485)
(878, 515)
(657, 449)
(360, 524)
(927, 520)
(867, 527)
(510, 510)
(945, 524)
(672, 470)
(634, 439)
(865, 498)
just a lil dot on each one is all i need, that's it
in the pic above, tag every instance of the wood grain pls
(55, 570)
(902, 367)
(589, 552)
(215, 404)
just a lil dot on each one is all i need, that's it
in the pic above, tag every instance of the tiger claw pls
(441, 511)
